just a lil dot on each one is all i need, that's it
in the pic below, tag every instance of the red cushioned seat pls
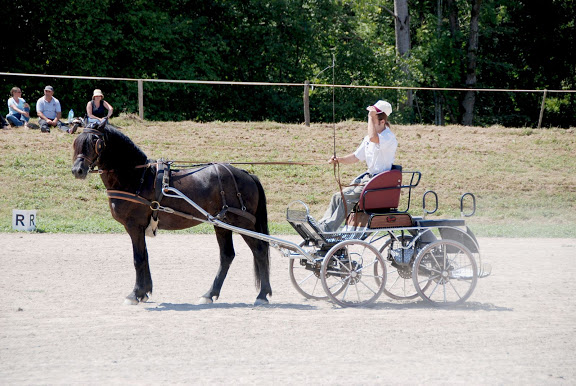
(382, 192)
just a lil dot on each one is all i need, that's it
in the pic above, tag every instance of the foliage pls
(523, 45)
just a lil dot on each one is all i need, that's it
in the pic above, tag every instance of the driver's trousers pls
(337, 212)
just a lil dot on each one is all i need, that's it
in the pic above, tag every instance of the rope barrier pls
(218, 82)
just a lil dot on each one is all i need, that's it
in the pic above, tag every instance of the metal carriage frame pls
(437, 260)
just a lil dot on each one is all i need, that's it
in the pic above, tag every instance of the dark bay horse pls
(124, 167)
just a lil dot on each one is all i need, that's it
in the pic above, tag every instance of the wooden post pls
(140, 98)
(307, 103)
(542, 109)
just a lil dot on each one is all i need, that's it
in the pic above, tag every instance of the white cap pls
(382, 107)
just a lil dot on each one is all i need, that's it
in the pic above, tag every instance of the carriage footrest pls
(440, 223)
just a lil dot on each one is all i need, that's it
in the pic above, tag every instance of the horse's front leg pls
(143, 285)
(227, 254)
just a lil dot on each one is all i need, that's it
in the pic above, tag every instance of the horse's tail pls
(261, 226)
(261, 210)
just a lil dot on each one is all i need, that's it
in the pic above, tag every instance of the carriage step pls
(441, 223)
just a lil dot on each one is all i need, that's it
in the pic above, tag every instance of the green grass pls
(524, 179)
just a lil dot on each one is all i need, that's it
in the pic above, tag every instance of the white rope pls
(283, 84)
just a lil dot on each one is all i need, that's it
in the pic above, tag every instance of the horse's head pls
(88, 148)
(107, 148)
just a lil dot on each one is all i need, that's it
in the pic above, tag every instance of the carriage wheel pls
(351, 264)
(399, 284)
(306, 279)
(445, 273)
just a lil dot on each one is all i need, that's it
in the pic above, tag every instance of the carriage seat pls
(382, 192)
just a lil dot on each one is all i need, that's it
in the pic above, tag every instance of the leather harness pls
(162, 180)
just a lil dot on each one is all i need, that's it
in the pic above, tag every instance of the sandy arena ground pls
(63, 321)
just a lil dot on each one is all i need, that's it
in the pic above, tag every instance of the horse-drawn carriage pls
(381, 248)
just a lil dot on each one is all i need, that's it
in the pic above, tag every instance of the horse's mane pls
(119, 150)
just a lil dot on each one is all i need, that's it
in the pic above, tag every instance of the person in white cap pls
(378, 150)
(49, 110)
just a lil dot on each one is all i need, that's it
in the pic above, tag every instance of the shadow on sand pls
(468, 306)
(200, 307)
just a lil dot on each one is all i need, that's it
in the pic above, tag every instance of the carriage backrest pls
(382, 191)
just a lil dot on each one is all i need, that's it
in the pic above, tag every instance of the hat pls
(97, 92)
(49, 88)
(382, 107)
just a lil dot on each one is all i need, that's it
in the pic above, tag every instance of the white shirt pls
(20, 105)
(379, 157)
(49, 109)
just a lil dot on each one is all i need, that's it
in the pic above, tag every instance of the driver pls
(378, 150)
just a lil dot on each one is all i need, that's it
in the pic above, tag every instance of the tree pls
(470, 96)
(402, 24)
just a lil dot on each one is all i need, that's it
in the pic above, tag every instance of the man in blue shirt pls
(49, 110)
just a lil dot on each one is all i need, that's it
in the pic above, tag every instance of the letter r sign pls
(23, 220)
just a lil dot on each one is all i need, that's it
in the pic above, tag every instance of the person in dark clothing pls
(98, 109)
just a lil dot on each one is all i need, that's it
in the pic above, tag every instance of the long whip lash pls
(336, 164)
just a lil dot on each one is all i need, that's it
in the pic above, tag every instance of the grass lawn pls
(524, 179)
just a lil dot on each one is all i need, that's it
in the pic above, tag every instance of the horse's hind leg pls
(261, 251)
(227, 254)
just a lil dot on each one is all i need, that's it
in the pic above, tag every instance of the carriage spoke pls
(454, 271)
(347, 261)
(305, 279)
(399, 284)
(367, 286)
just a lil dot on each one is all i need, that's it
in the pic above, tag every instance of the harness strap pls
(165, 178)
(225, 208)
(238, 194)
(154, 205)
(161, 180)
(120, 195)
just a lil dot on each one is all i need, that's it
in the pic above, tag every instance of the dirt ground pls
(63, 321)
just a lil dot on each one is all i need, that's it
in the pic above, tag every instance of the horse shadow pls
(226, 306)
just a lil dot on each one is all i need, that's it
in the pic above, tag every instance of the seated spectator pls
(3, 123)
(49, 110)
(98, 109)
(18, 109)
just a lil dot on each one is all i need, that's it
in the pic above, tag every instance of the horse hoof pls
(260, 302)
(204, 300)
(131, 301)
(144, 299)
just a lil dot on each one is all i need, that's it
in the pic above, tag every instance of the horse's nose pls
(78, 172)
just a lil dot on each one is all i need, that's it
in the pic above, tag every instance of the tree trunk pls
(402, 23)
(470, 96)
(453, 18)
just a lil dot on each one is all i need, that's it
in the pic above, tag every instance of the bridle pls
(99, 146)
